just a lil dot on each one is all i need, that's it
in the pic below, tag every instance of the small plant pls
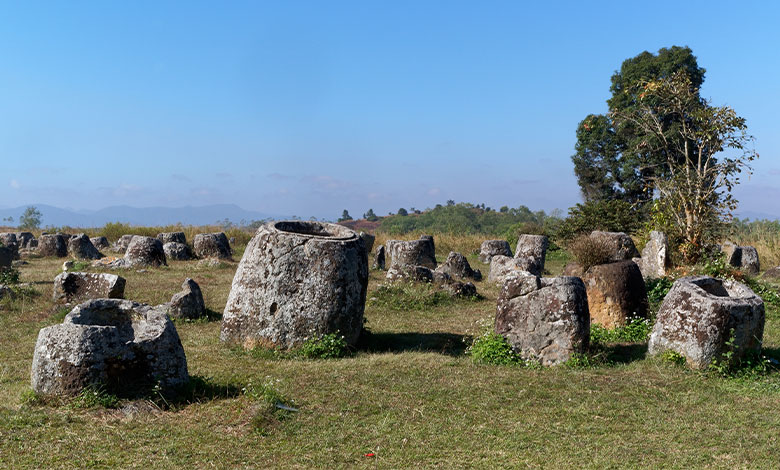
(79, 266)
(716, 266)
(766, 291)
(9, 276)
(409, 296)
(656, 292)
(588, 251)
(275, 408)
(492, 348)
(636, 330)
(329, 346)
(95, 397)
(583, 361)
(673, 357)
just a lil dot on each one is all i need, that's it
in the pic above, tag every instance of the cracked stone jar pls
(297, 280)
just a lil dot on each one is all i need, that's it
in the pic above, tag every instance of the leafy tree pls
(402, 212)
(370, 216)
(30, 219)
(613, 159)
(504, 209)
(345, 216)
(610, 215)
(704, 150)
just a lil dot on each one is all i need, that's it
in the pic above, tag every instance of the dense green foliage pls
(609, 161)
(9, 276)
(465, 218)
(345, 216)
(492, 348)
(637, 330)
(409, 296)
(656, 292)
(613, 215)
(329, 346)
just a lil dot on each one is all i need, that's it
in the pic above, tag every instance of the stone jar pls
(297, 280)
(701, 314)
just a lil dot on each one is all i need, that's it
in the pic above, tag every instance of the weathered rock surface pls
(545, 320)
(457, 266)
(127, 347)
(420, 252)
(6, 292)
(10, 241)
(212, 245)
(101, 243)
(172, 237)
(369, 240)
(742, 257)
(188, 303)
(177, 251)
(25, 240)
(491, 248)
(81, 247)
(655, 259)
(701, 314)
(414, 274)
(52, 245)
(121, 245)
(6, 257)
(573, 268)
(504, 267)
(379, 258)
(772, 273)
(297, 280)
(616, 292)
(144, 251)
(620, 244)
(460, 289)
(71, 287)
(532, 246)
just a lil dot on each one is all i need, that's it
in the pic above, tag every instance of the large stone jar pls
(297, 280)
(702, 318)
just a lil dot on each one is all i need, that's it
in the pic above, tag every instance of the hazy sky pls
(308, 108)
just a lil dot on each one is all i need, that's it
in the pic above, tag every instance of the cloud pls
(327, 183)
(279, 177)
(180, 177)
(434, 191)
(774, 172)
(15, 184)
(225, 177)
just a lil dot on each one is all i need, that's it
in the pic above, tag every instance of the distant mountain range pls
(150, 216)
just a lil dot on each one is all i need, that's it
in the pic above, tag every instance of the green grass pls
(409, 393)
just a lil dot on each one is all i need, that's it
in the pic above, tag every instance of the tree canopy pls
(615, 160)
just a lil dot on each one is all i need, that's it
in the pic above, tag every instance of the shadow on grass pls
(444, 343)
(621, 353)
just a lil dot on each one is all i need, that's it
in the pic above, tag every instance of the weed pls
(409, 296)
(9, 276)
(656, 292)
(636, 330)
(492, 348)
(94, 397)
(327, 346)
(766, 291)
(673, 357)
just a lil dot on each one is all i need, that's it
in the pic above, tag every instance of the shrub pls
(492, 348)
(329, 346)
(635, 331)
(9, 276)
(656, 292)
(588, 251)
(608, 215)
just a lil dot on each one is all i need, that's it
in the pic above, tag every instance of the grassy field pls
(410, 395)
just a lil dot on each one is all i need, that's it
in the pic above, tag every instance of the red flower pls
(370, 454)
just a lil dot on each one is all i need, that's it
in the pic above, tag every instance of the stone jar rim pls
(313, 229)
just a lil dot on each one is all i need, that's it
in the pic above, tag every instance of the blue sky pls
(307, 108)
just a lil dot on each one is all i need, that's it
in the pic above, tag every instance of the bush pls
(589, 251)
(608, 215)
(328, 346)
(492, 348)
(656, 292)
(9, 276)
(636, 330)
